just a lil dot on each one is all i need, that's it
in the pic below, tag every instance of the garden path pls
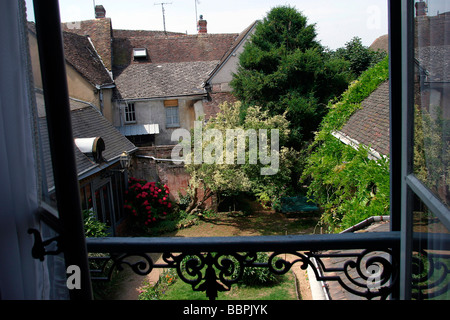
(258, 223)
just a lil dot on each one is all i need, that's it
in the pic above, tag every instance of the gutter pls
(99, 167)
(193, 96)
(318, 288)
(366, 223)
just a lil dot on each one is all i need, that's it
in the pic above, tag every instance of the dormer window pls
(140, 54)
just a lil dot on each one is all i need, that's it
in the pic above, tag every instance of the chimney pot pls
(201, 25)
(100, 12)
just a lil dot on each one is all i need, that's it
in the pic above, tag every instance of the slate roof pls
(370, 125)
(152, 80)
(81, 55)
(87, 122)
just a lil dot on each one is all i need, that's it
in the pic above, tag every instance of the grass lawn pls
(176, 289)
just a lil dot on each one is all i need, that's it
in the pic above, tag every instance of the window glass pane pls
(99, 206)
(107, 204)
(130, 114)
(431, 256)
(86, 197)
(432, 96)
(172, 116)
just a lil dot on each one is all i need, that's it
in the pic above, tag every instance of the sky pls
(337, 21)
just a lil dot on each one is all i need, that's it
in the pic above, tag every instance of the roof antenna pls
(164, 15)
(196, 15)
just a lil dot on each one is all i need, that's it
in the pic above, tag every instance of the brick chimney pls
(421, 9)
(201, 26)
(100, 12)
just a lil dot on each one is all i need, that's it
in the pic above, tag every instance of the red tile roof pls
(100, 31)
(171, 48)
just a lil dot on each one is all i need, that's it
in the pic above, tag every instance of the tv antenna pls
(164, 13)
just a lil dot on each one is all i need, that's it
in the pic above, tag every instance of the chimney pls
(100, 12)
(421, 9)
(201, 26)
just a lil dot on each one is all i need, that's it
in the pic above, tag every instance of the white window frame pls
(129, 113)
(172, 117)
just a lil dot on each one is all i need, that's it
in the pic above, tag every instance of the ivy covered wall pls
(342, 180)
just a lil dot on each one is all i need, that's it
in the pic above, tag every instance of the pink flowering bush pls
(147, 202)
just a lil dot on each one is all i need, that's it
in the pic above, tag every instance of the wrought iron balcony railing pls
(212, 265)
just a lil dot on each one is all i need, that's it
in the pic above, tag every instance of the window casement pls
(130, 113)
(424, 85)
(172, 113)
(402, 258)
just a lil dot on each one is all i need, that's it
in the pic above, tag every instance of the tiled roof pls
(171, 48)
(87, 122)
(235, 45)
(370, 125)
(152, 80)
(81, 55)
(100, 31)
(381, 43)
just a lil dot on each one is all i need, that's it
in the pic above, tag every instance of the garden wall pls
(174, 175)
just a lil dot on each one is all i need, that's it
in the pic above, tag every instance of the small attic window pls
(140, 53)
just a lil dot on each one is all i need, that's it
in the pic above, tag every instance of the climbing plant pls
(343, 180)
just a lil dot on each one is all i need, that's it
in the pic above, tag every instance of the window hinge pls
(38, 251)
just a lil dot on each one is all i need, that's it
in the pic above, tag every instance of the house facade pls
(99, 145)
(99, 149)
(163, 80)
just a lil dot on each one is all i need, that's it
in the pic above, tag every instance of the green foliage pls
(253, 276)
(343, 181)
(284, 70)
(432, 148)
(224, 179)
(92, 227)
(157, 291)
(360, 57)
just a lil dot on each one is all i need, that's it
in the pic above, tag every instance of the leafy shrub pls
(254, 276)
(92, 227)
(155, 292)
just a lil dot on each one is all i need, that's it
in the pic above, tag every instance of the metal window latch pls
(38, 251)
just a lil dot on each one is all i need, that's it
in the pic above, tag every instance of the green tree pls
(223, 178)
(285, 70)
(359, 56)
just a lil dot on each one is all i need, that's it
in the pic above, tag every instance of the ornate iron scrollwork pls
(199, 270)
(368, 273)
(103, 266)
